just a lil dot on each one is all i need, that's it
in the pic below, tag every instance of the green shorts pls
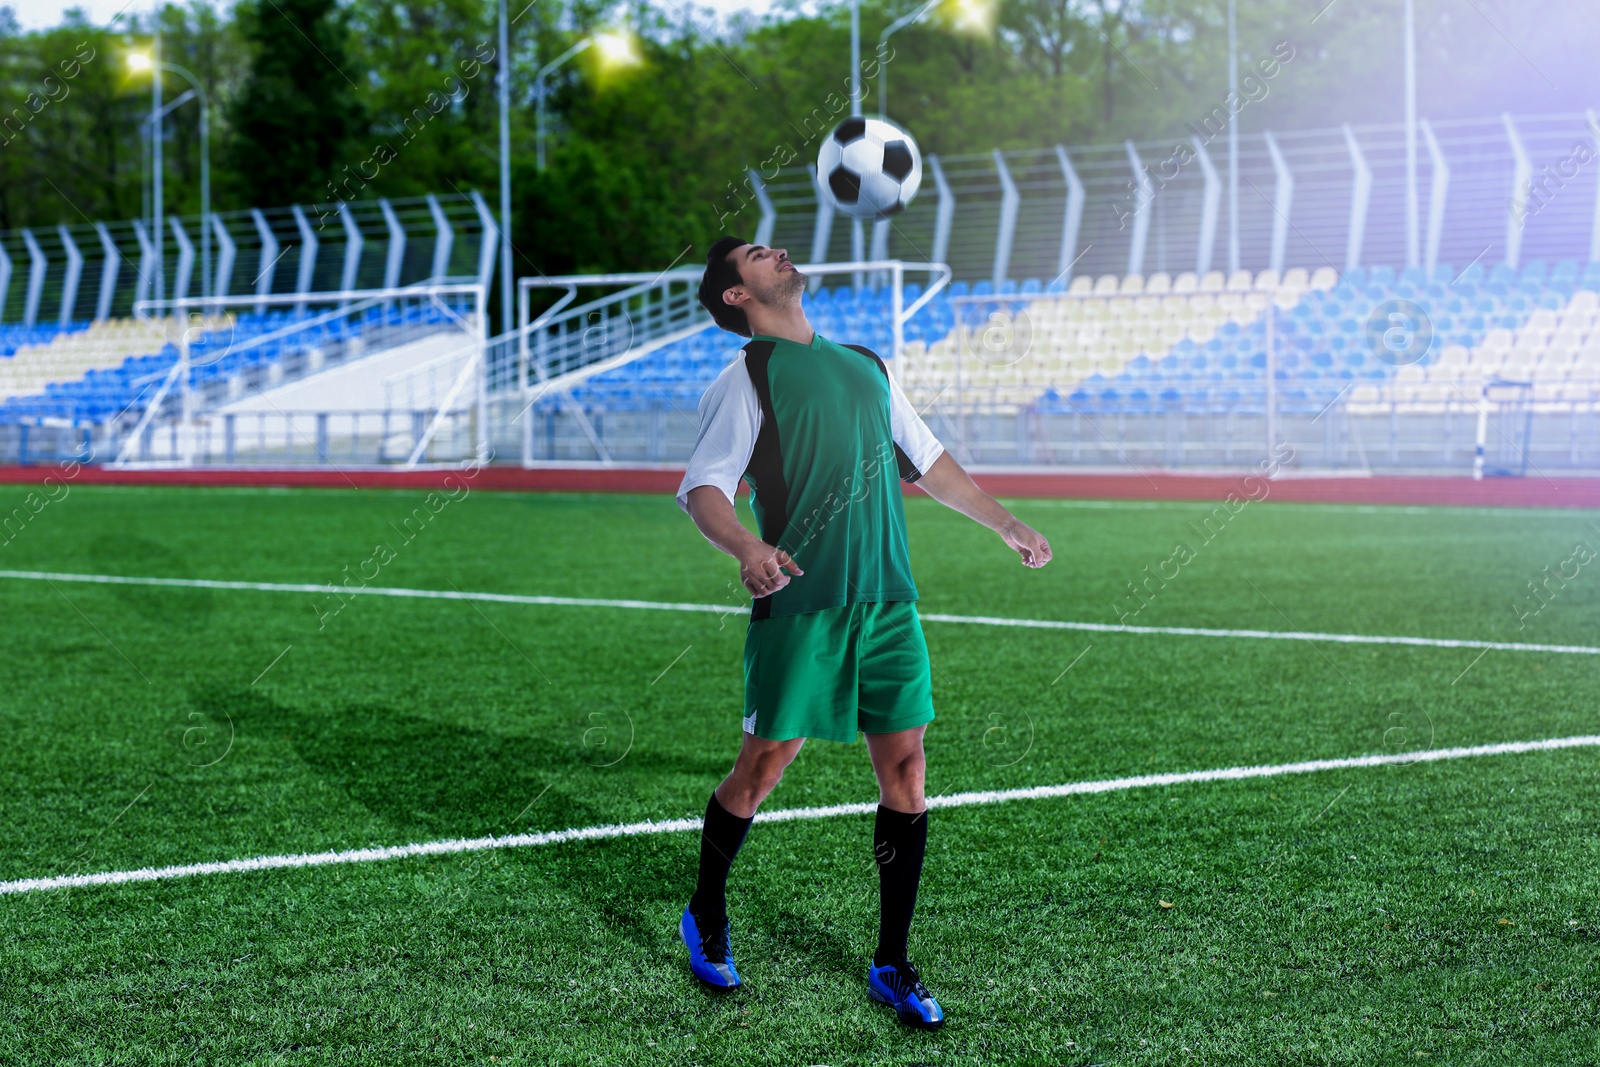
(831, 673)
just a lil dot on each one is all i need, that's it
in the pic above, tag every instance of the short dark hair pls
(720, 276)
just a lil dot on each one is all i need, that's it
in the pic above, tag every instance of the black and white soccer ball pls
(869, 168)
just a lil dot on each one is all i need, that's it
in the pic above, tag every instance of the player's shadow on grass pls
(635, 888)
(787, 895)
(177, 607)
(428, 777)
(429, 780)
(424, 778)
(820, 946)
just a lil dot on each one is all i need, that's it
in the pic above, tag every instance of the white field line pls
(1269, 635)
(1448, 510)
(955, 800)
(722, 609)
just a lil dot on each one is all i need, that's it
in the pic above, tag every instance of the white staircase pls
(367, 384)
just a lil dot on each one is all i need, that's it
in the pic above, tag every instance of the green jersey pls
(823, 434)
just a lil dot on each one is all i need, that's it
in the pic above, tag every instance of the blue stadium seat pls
(1321, 345)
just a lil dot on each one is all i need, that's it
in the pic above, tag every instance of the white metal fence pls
(241, 352)
(516, 396)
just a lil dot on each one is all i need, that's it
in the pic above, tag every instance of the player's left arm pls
(926, 463)
(949, 483)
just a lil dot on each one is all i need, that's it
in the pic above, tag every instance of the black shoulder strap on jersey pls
(765, 470)
(908, 470)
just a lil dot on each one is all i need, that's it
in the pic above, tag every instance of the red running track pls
(1531, 491)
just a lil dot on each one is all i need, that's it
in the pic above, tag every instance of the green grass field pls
(1437, 912)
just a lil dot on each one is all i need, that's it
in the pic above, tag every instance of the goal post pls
(1505, 428)
(567, 343)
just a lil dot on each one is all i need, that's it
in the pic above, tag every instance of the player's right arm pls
(730, 418)
(941, 477)
(762, 568)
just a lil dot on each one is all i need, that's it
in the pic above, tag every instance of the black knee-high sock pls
(900, 839)
(720, 838)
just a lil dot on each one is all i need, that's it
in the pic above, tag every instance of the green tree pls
(61, 111)
(593, 211)
(644, 164)
(428, 74)
(300, 106)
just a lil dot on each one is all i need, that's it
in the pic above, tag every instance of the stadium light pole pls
(617, 49)
(858, 238)
(538, 93)
(156, 164)
(1233, 138)
(855, 59)
(1413, 207)
(139, 63)
(505, 170)
(883, 40)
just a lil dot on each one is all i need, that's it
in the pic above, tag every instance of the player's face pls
(768, 273)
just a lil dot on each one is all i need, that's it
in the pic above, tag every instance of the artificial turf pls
(1428, 912)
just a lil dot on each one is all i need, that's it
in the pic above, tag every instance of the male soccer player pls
(821, 431)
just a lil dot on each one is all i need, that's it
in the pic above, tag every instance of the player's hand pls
(763, 568)
(1028, 542)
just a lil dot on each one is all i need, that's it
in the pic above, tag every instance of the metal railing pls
(212, 370)
(407, 437)
(565, 346)
(1221, 426)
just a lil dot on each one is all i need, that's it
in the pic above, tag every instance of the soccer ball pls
(869, 168)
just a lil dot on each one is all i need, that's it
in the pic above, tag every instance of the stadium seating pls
(1097, 331)
(90, 376)
(1528, 327)
(43, 364)
(1145, 345)
(1114, 344)
(14, 336)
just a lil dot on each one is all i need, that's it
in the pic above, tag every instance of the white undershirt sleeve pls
(910, 432)
(730, 418)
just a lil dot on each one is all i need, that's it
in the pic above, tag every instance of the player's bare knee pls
(909, 769)
(741, 795)
(757, 776)
(768, 774)
(902, 792)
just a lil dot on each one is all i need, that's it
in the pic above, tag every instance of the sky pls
(41, 14)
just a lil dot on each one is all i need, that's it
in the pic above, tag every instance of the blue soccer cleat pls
(900, 987)
(709, 956)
